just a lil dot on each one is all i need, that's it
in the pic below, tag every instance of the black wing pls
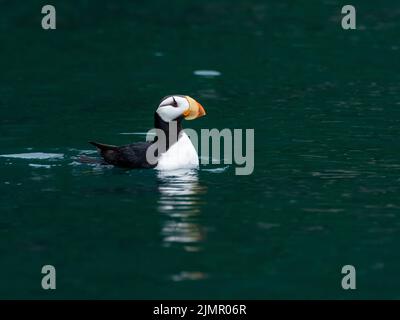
(129, 156)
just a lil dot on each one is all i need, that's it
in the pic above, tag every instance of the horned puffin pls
(179, 153)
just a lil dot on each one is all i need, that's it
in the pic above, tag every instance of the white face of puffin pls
(173, 107)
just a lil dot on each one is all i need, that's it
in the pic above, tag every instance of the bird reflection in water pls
(180, 193)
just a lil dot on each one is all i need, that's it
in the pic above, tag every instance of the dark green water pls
(325, 107)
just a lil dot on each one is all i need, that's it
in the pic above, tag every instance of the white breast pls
(181, 155)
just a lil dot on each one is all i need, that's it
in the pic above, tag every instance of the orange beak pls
(195, 109)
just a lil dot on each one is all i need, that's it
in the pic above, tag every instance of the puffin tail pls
(107, 151)
(102, 146)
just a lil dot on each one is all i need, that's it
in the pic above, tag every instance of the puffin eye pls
(167, 102)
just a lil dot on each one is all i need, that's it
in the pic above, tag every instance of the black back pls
(134, 155)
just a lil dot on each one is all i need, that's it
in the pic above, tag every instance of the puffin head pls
(173, 107)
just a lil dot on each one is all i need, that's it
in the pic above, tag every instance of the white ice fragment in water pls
(75, 163)
(87, 151)
(189, 275)
(207, 73)
(34, 155)
(216, 170)
(34, 165)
